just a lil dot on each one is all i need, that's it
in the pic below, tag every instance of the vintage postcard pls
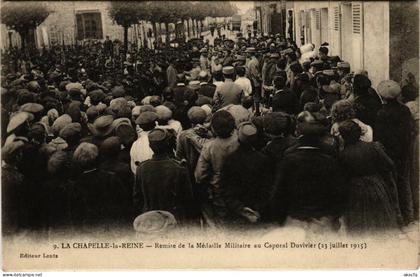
(273, 135)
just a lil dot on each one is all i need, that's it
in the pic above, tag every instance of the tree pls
(126, 14)
(24, 18)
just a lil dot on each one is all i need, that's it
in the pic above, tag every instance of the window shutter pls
(318, 19)
(357, 17)
(336, 19)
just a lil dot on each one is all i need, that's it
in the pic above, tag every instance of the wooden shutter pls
(356, 18)
(318, 19)
(336, 19)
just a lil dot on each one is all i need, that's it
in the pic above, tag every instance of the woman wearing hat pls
(394, 127)
(371, 204)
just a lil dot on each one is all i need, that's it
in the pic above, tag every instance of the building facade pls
(71, 21)
(271, 17)
(381, 37)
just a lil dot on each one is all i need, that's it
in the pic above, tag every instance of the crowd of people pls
(237, 133)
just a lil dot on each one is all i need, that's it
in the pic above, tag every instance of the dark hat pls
(97, 95)
(120, 121)
(317, 64)
(154, 222)
(71, 130)
(197, 115)
(146, 118)
(102, 126)
(228, 70)
(275, 123)
(110, 147)
(31, 108)
(361, 81)
(17, 120)
(147, 108)
(343, 65)
(118, 91)
(92, 112)
(157, 135)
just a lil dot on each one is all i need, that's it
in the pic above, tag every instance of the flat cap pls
(71, 130)
(154, 222)
(163, 112)
(31, 108)
(157, 135)
(228, 70)
(389, 89)
(146, 118)
(17, 120)
(246, 131)
(343, 65)
(60, 123)
(197, 115)
(118, 91)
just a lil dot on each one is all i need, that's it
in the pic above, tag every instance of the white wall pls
(368, 50)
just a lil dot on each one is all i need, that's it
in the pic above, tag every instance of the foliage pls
(23, 16)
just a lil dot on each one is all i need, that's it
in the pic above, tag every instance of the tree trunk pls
(23, 37)
(125, 41)
(196, 24)
(167, 35)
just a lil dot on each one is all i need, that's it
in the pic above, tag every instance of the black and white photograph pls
(265, 135)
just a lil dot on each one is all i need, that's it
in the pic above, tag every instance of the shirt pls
(245, 84)
(140, 150)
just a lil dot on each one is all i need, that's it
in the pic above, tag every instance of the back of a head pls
(350, 131)
(59, 164)
(240, 70)
(279, 82)
(223, 124)
(110, 147)
(86, 155)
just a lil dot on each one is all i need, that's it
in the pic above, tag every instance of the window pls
(89, 25)
(356, 18)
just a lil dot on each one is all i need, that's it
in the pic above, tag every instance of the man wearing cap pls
(252, 66)
(229, 92)
(393, 128)
(305, 191)
(343, 70)
(162, 183)
(246, 181)
(140, 150)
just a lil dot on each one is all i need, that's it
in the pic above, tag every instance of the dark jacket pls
(98, 199)
(285, 101)
(394, 128)
(309, 184)
(367, 106)
(246, 181)
(165, 185)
